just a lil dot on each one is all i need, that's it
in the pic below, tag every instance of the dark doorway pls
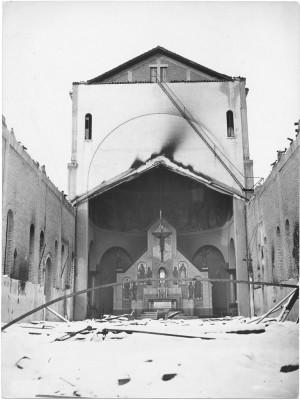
(113, 260)
(211, 258)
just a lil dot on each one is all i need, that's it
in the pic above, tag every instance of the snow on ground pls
(137, 365)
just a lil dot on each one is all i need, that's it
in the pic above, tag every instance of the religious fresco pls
(141, 270)
(182, 267)
(198, 287)
(161, 277)
(186, 204)
(126, 288)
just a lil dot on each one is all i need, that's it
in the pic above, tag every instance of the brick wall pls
(175, 72)
(273, 228)
(41, 221)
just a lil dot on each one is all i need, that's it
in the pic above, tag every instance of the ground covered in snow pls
(194, 358)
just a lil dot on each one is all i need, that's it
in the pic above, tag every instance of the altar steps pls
(159, 314)
(148, 314)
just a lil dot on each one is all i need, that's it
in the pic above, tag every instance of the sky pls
(48, 45)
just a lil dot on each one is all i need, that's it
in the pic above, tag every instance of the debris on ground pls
(120, 356)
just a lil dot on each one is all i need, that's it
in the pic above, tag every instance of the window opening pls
(8, 255)
(153, 74)
(31, 251)
(230, 124)
(88, 127)
(163, 74)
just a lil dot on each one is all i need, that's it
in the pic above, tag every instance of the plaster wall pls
(133, 243)
(136, 120)
(190, 242)
(17, 300)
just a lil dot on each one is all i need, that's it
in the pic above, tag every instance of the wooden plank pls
(57, 314)
(276, 306)
(130, 331)
(288, 306)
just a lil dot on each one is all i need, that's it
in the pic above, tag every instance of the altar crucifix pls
(161, 236)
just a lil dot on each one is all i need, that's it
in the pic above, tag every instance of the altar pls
(163, 278)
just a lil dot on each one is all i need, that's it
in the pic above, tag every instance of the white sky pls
(49, 45)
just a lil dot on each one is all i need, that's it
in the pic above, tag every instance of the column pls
(81, 276)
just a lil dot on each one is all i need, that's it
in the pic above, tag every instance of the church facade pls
(160, 174)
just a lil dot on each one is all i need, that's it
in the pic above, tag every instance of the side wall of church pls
(273, 230)
(38, 226)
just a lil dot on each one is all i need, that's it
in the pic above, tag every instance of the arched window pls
(266, 260)
(88, 127)
(8, 257)
(42, 243)
(14, 272)
(48, 280)
(280, 272)
(41, 252)
(31, 251)
(288, 246)
(55, 269)
(230, 124)
(72, 272)
(62, 265)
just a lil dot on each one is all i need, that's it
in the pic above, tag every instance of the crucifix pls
(161, 236)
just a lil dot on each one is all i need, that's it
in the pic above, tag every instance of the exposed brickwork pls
(175, 72)
(273, 218)
(32, 200)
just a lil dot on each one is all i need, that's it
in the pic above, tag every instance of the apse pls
(187, 204)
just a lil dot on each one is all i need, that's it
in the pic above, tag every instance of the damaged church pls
(160, 177)
(159, 174)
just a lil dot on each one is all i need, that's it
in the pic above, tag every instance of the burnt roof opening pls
(134, 205)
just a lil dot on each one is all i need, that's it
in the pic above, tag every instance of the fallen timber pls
(130, 331)
(138, 281)
(293, 296)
